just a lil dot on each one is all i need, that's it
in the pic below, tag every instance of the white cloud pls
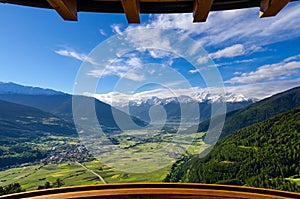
(293, 58)
(236, 62)
(203, 59)
(263, 89)
(231, 51)
(129, 68)
(78, 56)
(96, 73)
(134, 75)
(237, 73)
(233, 33)
(154, 40)
(194, 71)
(134, 61)
(225, 28)
(102, 32)
(268, 72)
(158, 53)
(117, 29)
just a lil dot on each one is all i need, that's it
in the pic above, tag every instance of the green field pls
(30, 177)
(141, 158)
(296, 180)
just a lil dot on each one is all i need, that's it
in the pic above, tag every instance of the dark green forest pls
(16, 187)
(264, 155)
(11, 188)
(257, 112)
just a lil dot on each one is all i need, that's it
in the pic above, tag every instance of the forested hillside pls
(21, 127)
(19, 123)
(262, 155)
(257, 112)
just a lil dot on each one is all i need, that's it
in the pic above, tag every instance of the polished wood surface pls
(156, 191)
(270, 8)
(132, 10)
(67, 9)
(199, 7)
(201, 10)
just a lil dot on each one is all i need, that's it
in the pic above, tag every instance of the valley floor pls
(72, 174)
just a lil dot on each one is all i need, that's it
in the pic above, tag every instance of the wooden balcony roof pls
(157, 191)
(132, 8)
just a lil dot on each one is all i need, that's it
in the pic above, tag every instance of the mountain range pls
(60, 104)
(12, 88)
(19, 122)
(160, 96)
(264, 155)
(21, 126)
(27, 119)
(173, 107)
(259, 145)
(257, 112)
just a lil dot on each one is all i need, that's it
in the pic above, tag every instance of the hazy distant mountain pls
(24, 122)
(60, 104)
(156, 97)
(258, 111)
(20, 126)
(12, 88)
(50, 103)
(28, 118)
(173, 106)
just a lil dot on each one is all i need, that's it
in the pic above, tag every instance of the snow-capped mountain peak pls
(123, 100)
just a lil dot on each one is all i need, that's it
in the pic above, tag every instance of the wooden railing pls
(156, 191)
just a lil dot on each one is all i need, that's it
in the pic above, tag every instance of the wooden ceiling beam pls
(201, 10)
(132, 10)
(67, 9)
(269, 8)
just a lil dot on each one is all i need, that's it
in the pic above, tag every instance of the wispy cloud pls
(227, 27)
(76, 55)
(102, 32)
(279, 71)
(229, 52)
(236, 62)
(117, 29)
(232, 35)
(233, 51)
(263, 89)
(129, 68)
(228, 42)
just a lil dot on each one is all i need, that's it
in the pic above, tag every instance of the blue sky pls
(255, 57)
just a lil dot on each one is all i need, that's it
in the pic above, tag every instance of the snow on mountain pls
(12, 88)
(159, 97)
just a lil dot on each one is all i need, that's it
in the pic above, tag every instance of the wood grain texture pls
(270, 8)
(67, 9)
(157, 191)
(131, 10)
(201, 9)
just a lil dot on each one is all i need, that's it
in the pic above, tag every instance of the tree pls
(11, 188)
(58, 183)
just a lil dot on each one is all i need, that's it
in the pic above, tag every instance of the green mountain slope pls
(61, 106)
(262, 155)
(257, 112)
(23, 122)
(21, 126)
